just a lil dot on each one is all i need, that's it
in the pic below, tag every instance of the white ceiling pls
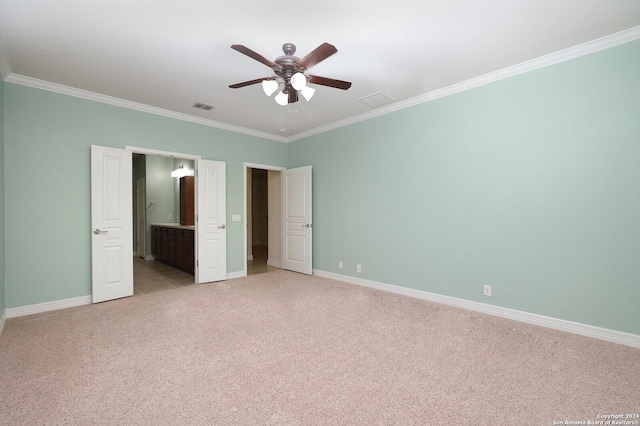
(169, 54)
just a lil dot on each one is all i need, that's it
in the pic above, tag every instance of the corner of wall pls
(2, 212)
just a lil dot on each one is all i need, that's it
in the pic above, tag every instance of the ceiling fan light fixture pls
(307, 92)
(269, 86)
(289, 73)
(298, 81)
(282, 99)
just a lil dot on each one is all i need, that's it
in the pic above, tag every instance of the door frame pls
(141, 182)
(245, 168)
(170, 154)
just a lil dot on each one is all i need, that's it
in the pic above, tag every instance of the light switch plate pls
(235, 218)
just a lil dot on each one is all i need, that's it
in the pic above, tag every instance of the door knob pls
(97, 231)
(222, 226)
(307, 225)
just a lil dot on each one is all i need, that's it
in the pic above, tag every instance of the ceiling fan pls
(290, 72)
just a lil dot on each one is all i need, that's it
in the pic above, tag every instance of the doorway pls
(263, 218)
(164, 193)
(113, 184)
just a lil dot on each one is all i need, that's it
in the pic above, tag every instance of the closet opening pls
(263, 206)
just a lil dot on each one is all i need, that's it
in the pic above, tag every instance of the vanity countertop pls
(173, 225)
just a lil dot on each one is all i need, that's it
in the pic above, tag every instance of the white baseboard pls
(250, 257)
(3, 319)
(48, 306)
(608, 335)
(275, 263)
(149, 257)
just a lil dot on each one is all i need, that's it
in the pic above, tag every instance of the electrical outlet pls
(358, 268)
(340, 264)
(487, 290)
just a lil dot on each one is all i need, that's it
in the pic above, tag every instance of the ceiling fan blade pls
(250, 53)
(293, 95)
(331, 82)
(249, 83)
(319, 54)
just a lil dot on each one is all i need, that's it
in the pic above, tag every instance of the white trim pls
(592, 46)
(3, 320)
(149, 257)
(245, 167)
(263, 167)
(234, 275)
(608, 335)
(123, 103)
(48, 306)
(606, 42)
(274, 263)
(150, 151)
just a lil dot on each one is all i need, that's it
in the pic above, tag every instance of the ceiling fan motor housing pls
(288, 63)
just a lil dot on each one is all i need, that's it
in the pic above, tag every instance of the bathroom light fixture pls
(180, 171)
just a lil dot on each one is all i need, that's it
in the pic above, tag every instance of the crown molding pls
(602, 43)
(596, 45)
(110, 100)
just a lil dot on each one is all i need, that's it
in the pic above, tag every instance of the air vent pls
(203, 106)
(376, 99)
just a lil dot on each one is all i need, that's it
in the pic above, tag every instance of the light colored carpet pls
(286, 349)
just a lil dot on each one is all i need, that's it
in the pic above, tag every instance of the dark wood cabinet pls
(173, 246)
(187, 201)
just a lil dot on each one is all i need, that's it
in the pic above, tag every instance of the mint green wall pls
(530, 184)
(2, 204)
(159, 192)
(47, 183)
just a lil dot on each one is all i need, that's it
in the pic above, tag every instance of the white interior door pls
(141, 217)
(111, 225)
(297, 224)
(211, 208)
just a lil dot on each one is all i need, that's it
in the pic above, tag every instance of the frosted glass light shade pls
(298, 81)
(180, 171)
(269, 86)
(307, 92)
(282, 99)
